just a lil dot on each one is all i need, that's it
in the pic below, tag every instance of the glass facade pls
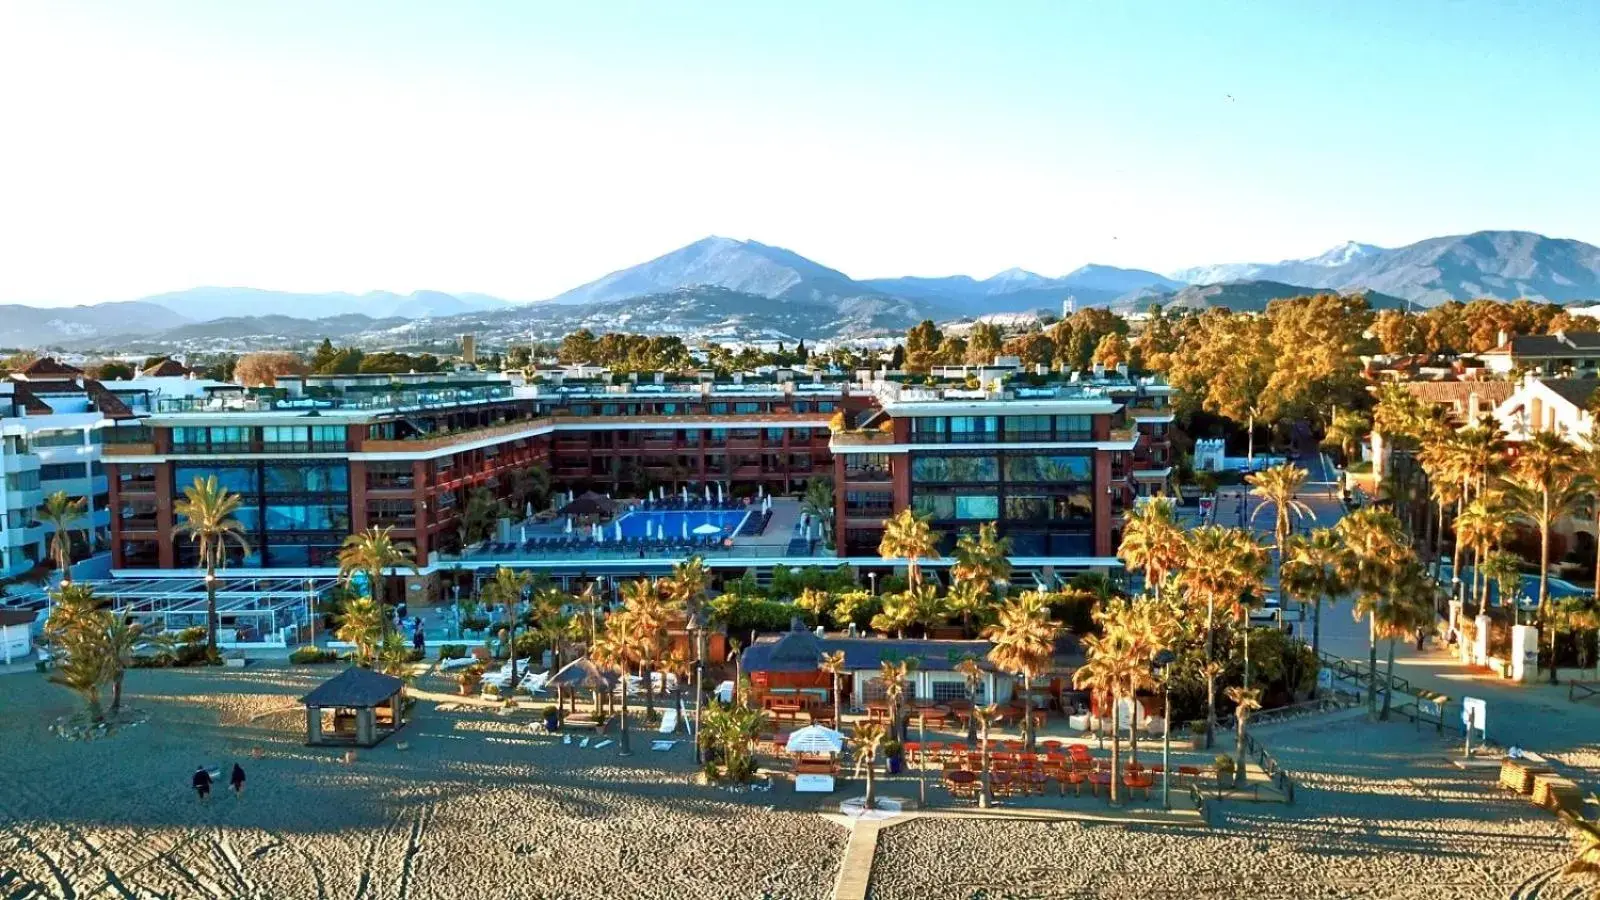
(1043, 501)
(294, 513)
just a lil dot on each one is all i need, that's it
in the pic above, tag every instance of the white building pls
(1538, 404)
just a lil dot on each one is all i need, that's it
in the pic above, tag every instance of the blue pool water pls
(672, 521)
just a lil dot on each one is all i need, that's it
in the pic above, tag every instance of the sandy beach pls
(479, 805)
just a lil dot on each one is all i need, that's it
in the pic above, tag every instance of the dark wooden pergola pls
(367, 707)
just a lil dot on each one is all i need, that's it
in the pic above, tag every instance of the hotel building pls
(1053, 459)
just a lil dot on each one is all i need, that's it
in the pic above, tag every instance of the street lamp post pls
(697, 626)
(1163, 661)
(873, 577)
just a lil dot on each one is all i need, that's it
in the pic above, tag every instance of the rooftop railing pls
(440, 398)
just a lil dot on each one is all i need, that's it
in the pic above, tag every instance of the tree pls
(833, 664)
(1280, 486)
(1112, 350)
(1230, 569)
(1586, 859)
(972, 674)
(619, 650)
(983, 558)
(1152, 541)
(1310, 572)
(111, 370)
(907, 536)
(578, 348)
(1245, 700)
(64, 515)
(1545, 471)
(893, 676)
(1587, 466)
(922, 345)
(1023, 641)
(1107, 671)
(372, 553)
(1034, 348)
(506, 590)
(648, 615)
(817, 502)
(869, 739)
(1483, 526)
(77, 633)
(1404, 608)
(123, 639)
(984, 716)
(206, 515)
(1375, 551)
(264, 368)
(1346, 432)
(983, 344)
(362, 624)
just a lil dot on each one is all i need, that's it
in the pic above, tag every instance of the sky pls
(523, 148)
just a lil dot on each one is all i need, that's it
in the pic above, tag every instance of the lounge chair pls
(584, 720)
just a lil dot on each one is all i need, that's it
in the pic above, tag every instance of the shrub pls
(741, 613)
(469, 678)
(453, 651)
(475, 623)
(1224, 766)
(415, 654)
(309, 656)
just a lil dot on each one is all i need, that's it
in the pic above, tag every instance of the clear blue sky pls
(521, 148)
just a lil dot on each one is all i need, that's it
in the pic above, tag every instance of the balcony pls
(659, 444)
(137, 524)
(867, 475)
(860, 438)
(439, 442)
(141, 449)
(137, 485)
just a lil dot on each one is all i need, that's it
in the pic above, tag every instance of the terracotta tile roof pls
(109, 404)
(28, 400)
(47, 366)
(1490, 393)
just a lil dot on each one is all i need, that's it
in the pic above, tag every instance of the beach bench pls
(584, 720)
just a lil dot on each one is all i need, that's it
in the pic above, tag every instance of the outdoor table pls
(1000, 782)
(961, 782)
(1190, 772)
(936, 716)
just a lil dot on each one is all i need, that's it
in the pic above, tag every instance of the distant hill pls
(741, 267)
(1504, 265)
(1239, 296)
(1017, 290)
(29, 326)
(204, 304)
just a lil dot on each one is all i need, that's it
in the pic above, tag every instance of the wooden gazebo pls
(364, 707)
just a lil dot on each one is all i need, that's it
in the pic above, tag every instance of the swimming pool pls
(676, 523)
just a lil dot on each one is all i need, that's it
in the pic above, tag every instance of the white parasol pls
(815, 739)
(707, 529)
(708, 493)
(719, 492)
(617, 530)
(685, 528)
(569, 524)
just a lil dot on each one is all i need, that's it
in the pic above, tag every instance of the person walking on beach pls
(237, 780)
(202, 783)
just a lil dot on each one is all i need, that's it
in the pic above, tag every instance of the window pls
(57, 439)
(745, 409)
(945, 691)
(1027, 428)
(931, 430)
(60, 471)
(239, 478)
(871, 503)
(1074, 428)
(1049, 469)
(982, 507)
(774, 435)
(308, 478)
(955, 469)
(23, 481)
(799, 435)
(866, 467)
(826, 406)
(973, 429)
(935, 506)
(304, 438)
(718, 408)
(1027, 508)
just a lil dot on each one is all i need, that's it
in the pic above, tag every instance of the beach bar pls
(357, 707)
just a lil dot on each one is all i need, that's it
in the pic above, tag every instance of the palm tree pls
(1504, 569)
(1406, 607)
(506, 590)
(1245, 699)
(893, 675)
(969, 601)
(63, 514)
(1141, 629)
(972, 673)
(1280, 486)
(817, 502)
(648, 620)
(984, 716)
(393, 657)
(869, 738)
(1230, 556)
(983, 559)
(908, 537)
(206, 515)
(1108, 670)
(833, 664)
(76, 631)
(1586, 859)
(1580, 614)
(372, 552)
(1346, 431)
(124, 639)
(1024, 644)
(1544, 487)
(619, 650)
(1375, 549)
(1246, 560)
(362, 625)
(1310, 573)
(1152, 541)
(1483, 526)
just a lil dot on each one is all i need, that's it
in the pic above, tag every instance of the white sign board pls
(1325, 679)
(813, 784)
(1475, 715)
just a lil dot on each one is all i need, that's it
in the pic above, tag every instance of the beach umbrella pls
(524, 531)
(685, 493)
(707, 529)
(815, 739)
(527, 512)
(649, 528)
(569, 525)
(708, 493)
(685, 528)
(617, 533)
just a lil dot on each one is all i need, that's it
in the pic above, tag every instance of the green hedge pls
(310, 656)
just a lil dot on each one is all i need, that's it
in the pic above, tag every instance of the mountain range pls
(723, 286)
